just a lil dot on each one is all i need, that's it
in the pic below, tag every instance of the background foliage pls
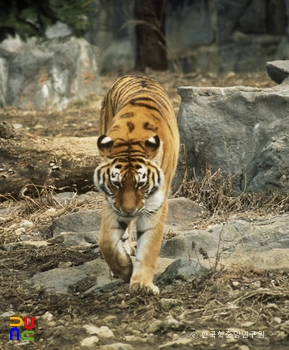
(32, 17)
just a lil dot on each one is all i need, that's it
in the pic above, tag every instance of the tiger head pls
(130, 177)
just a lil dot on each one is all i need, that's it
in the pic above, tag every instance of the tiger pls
(138, 146)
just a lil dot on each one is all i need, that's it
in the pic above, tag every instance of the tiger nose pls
(129, 211)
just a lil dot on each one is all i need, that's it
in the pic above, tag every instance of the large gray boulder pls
(50, 74)
(241, 130)
(5, 58)
(261, 243)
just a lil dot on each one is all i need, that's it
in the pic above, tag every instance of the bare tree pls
(150, 35)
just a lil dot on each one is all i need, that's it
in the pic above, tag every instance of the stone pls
(254, 17)
(7, 314)
(26, 224)
(200, 35)
(101, 332)
(62, 280)
(191, 17)
(118, 56)
(57, 30)
(228, 16)
(234, 129)
(70, 239)
(155, 326)
(47, 316)
(89, 341)
(169, 304)
(236, 55)
(161, 326)
(5, 59)
(51, 73)
(116, 346)
(91, 237)
(134, 338)
(81, 222)
(182, 211)
(176, 343)
(36, 244)
(182, 269)
(278, 70)
(65, 197)
(261, 243)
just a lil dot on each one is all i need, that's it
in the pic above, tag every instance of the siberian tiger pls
(139, 147)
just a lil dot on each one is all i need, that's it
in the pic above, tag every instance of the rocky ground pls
(226, 285)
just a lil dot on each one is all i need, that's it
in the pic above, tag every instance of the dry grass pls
(215, 195)
(40, 211)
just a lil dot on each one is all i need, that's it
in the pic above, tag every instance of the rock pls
(234, 129)
(36, 244)
(168, 304)
(90, 341)
(91, 237)
(261, 243)
(155, 326)
(26, 224)
(118, 56)
(47, 316)
(81, 228)
(243, 347)
(278, 70)
(189, 18)
(51, 73)
(228, 16)
(63, 280)
(116, 346)
(182, 211)
(7, 131)
(81, 222)
(176, 343)
(102, 332)
(7, 314)
(65, 197)
(134, 338)
(17, 126)
(181, 245)
(5, 59)
(57, 30)
(183, 269)
(253, 18)
(170, 323)
(69, 239)
(109, 318)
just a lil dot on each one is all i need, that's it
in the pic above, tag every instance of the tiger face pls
(130, 185)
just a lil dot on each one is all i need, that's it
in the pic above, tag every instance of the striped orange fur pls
(139, 145)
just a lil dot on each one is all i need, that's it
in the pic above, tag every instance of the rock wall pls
(230, 35)
(48, 73)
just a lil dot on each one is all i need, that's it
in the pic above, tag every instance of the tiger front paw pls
(119, 261)
(142, 288)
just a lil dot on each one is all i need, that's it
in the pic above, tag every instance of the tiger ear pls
(153, 143)
(104, 144)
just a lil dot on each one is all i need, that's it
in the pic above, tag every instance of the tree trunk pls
(27, 160)
(150, 35)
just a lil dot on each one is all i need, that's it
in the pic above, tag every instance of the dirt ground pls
(238, 308)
